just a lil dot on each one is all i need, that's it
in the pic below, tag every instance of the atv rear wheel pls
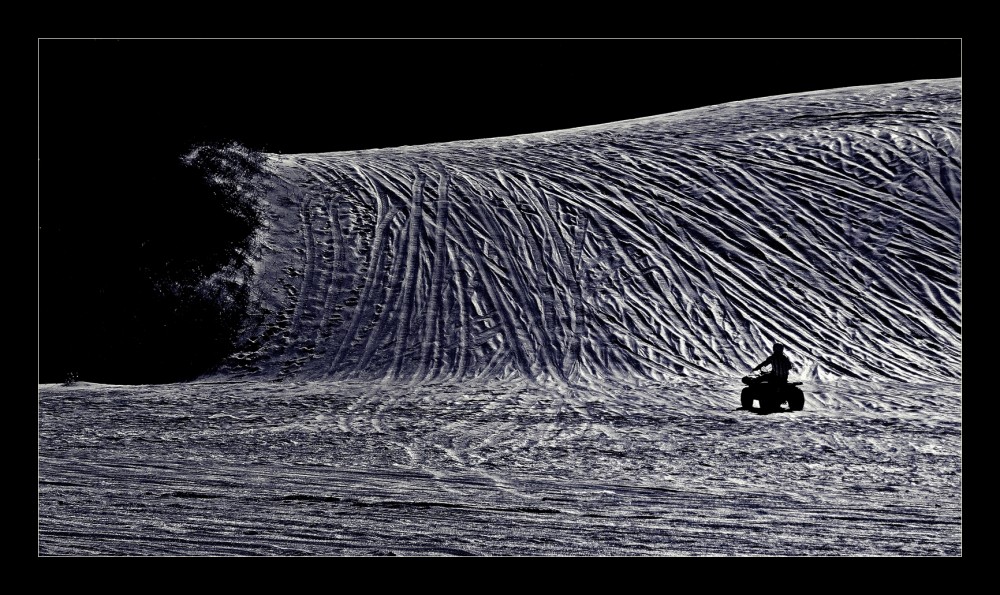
(769, 403)
(746, 398)
(796, 400)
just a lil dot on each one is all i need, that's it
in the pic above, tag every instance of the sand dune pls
(532, 346)
(677, 245)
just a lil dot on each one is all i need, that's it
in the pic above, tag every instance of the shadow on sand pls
(759, 411)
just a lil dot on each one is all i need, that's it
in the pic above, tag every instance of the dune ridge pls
(680, 245)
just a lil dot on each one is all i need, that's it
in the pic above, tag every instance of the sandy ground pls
(336, 468)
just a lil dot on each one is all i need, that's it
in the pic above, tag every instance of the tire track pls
(829, 221)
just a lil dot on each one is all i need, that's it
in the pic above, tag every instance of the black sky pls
(327, 95)
(114, 116)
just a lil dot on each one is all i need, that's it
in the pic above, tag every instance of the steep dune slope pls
(682, 244)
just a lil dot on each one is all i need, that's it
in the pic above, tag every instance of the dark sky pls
(326, 95)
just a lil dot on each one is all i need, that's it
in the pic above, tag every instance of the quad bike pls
(771, 394)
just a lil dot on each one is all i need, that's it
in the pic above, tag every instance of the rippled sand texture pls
(682, 244)
(351, 468)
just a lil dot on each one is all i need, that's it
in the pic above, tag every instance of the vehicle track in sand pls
(675, 245)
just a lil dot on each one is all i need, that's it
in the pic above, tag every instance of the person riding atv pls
(771, 389)
(779, 362)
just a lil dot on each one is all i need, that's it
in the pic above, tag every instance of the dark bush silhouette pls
(155, 286)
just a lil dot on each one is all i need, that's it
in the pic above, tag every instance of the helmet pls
(778, 347)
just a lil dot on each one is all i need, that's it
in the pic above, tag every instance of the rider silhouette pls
(780, 365)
